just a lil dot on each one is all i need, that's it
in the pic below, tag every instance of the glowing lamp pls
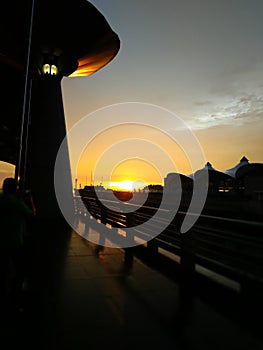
(50, 69)
(42, 42)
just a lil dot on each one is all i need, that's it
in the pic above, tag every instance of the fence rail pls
(230, 247)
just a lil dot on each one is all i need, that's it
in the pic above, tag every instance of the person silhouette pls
(14, 216)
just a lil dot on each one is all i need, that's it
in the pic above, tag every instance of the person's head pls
(9, 186)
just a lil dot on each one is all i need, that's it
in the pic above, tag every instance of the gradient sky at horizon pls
(200, 59)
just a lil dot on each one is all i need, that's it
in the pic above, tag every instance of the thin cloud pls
(229, 110)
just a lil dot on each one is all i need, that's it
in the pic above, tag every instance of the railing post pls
(251, 291)
(103, 214)
(187, 260)
(129, 251)
(152, 247)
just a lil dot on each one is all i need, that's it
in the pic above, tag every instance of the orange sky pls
(203, 62)
(133, 152)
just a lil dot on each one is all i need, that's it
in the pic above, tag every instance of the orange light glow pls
(106, 49)
(126, 185)
(6, 170)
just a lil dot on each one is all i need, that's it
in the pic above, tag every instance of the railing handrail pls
(231, 248)
(215, 217)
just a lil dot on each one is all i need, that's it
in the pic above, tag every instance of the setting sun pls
(126, 185)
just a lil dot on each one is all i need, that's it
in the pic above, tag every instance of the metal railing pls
(226, 246)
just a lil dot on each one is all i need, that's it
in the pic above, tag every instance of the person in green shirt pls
(14, 217)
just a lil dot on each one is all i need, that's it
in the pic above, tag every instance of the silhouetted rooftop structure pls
(232, 172)
(218, 181)
(173, 181)
(71, 35)
(212, 172)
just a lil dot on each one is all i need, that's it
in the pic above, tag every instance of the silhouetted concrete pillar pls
(47, 130)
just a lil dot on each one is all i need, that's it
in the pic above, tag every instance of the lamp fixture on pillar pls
(50, 69)
(62, 46)
(48, 62)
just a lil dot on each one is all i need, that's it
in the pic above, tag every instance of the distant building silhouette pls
(249, 180)
(218, 181)
(173, 182)
(232, 172)
(247, 177)
(153, 188)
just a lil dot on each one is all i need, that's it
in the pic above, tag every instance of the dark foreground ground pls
(82, 297)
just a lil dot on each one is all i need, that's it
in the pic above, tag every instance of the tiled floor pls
(82, 298)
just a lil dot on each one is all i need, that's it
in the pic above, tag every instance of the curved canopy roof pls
(232, 172)
(214, 174)
(72, 34)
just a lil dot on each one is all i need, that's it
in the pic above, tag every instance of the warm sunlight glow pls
(126, 185)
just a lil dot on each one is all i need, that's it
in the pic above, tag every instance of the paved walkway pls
(85, 298)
